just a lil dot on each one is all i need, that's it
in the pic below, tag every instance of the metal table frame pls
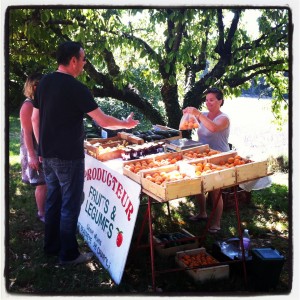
(151, 198)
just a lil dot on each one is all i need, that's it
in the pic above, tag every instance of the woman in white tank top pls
(213, 130)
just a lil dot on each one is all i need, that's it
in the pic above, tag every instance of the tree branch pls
(220, 46)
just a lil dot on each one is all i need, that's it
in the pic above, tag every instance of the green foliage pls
(273, 198)
(168, 55)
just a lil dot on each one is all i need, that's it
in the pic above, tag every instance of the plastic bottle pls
(246, 242)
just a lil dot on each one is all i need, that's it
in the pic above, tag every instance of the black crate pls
(266, 267)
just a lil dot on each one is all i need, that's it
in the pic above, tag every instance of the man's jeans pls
(64, 179)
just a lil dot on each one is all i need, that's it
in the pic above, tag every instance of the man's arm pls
(111, 122)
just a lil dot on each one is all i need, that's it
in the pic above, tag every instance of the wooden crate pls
(198, 149)
(94, 152)
(203, 273)
(130, 138)
(251, 170)
(201, 150)
(153, 157)
(216, 159)
(160, 248)
(109, 142)
(210, 181)
(173, 189)
(218, 179)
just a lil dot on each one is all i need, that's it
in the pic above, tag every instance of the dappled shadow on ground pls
(30, 272)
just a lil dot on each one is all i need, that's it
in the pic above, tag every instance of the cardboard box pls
(164, 250)
(203, 273)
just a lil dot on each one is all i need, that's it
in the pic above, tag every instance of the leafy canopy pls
(156, 60)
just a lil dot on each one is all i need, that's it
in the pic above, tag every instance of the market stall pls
(119, 169)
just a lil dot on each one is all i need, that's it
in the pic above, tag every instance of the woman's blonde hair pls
(30, 83)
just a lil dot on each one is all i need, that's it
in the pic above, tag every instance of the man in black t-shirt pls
(61, 102)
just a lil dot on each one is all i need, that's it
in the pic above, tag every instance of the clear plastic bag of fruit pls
(188, 122)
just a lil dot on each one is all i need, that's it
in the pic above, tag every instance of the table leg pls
(145, 218)
(240, 235)
(151, 243)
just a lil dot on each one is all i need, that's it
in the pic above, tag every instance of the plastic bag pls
(188, 122)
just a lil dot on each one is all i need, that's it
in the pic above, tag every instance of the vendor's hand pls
(130, 122)
(33, 162)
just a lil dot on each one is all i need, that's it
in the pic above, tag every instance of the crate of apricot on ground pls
(134, 169)
(167, 183)
(201, 266)
(188, 122)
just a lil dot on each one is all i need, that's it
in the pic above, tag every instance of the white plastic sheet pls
(257, 184)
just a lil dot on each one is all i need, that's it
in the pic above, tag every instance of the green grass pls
(28, 271)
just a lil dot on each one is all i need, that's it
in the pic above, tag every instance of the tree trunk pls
(173, 110)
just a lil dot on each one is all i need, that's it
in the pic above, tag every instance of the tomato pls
(119, 238)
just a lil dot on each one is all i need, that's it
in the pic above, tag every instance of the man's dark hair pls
(66, 51)
(217, 92)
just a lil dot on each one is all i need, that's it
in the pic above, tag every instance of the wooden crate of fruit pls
(218, 179)
(200, 152)
(246, 169)
(251, 170)
(202, 265)
(167, 183)
(107, 151)
(108, 142)
(167, 244)
(130, 138)
(212, 176)
(134, 168)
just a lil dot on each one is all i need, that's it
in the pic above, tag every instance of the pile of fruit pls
(102, 150)
(188, 122)
(206, 168)
(162, 177)
(135, 167)
(173, 239)
(199, 154)
(197, 260)
(233, 161)
(111, 142)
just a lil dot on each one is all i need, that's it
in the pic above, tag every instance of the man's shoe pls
(82, 258)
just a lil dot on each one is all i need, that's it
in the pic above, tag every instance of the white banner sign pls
(108, 214)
